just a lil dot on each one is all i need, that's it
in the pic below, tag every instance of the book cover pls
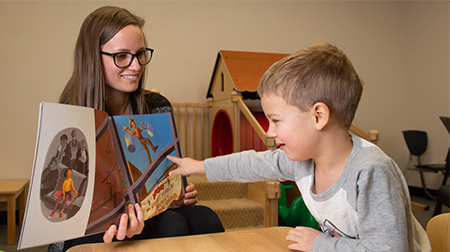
(89, 166)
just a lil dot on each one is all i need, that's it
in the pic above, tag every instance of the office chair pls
(446, 121)
(417, 142)
(442, 198)
(443, 193)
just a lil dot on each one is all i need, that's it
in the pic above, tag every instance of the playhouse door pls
(222, 135)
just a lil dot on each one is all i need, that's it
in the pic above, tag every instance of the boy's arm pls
(186, 166)
(252, 166)
(247, 166)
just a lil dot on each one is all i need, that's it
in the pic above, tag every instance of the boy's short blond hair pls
(319, 73)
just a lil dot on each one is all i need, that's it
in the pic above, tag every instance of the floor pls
(422, 217)
(425, 216)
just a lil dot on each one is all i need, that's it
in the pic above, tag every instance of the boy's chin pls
(293, 157)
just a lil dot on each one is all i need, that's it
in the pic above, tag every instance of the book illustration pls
(85, 173)
(164, 194)
(137, 132)
(149, 129)
(144, 178)
(108, 200)
(64, 180)
(65, 194)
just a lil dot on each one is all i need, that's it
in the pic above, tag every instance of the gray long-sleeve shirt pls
(367, 209)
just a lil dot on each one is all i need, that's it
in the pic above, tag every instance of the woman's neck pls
(118, 103)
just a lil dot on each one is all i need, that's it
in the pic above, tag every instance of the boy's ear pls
(321, 114)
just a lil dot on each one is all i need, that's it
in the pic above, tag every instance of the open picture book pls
(89, 166)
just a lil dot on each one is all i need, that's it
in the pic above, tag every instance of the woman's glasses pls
(124, 59)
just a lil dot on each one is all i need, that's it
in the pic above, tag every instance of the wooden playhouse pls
(236, 118)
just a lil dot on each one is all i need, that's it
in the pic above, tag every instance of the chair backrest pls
(446, 121)
(438, 232)
(417, 141)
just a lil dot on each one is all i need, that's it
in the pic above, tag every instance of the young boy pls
(355, 191)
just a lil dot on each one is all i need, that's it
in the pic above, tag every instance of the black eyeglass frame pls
(132, 56)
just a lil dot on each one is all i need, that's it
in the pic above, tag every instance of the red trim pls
(222, 135)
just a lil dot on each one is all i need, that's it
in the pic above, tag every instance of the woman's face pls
(125, 80)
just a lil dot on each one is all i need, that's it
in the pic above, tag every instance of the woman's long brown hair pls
(87, 85)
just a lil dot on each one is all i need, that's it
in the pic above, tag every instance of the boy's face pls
(293, 130)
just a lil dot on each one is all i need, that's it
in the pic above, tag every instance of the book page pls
(146, 140)
(108, 202)
(64, 158)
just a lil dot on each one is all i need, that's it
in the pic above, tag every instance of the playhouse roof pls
(245, 68)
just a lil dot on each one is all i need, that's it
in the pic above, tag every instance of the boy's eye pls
(275, 121)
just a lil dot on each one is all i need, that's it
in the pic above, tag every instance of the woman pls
(109, 70)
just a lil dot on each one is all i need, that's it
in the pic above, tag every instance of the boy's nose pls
(271, 132)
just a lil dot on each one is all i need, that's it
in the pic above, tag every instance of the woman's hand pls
(190, 198)
(303, 238)
(131, 223)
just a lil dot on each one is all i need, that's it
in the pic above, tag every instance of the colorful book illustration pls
(88, 166)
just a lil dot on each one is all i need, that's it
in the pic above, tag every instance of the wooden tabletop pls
(12, 186)
(265, 239)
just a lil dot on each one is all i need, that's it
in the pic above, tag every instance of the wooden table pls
(9, 191)
(264, 239)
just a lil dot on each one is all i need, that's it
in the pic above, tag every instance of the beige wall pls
(401, 50)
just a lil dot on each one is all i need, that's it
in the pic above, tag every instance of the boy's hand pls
(129, 225)
(303, 238)
(186, 166)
